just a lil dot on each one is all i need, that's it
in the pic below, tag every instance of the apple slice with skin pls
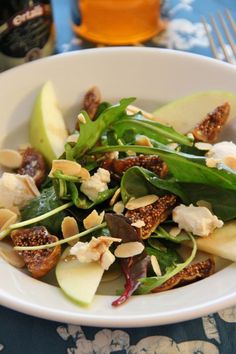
(185, 113)
(47, 127)
(79, 281)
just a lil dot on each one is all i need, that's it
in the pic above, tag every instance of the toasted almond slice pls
(84, 174)
(115, 197)
(93, 219)
(211, 162)
(69, 227)
(134, 109)
(203, 146)
(204, 203)
(172, 146)
(141, 202)
(118, 207)
(138, 224)
(10, 158)
(155, 265)
(7, 217)
(10, 256)
(129, 249)
(68, 167)
(81, 118)
(175, 231)
(143, 141)
(72, 138)
(31, 186)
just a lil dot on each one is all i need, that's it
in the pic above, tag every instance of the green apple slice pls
(184, 113)
(221, 243)
(78, 280)
(47, 127)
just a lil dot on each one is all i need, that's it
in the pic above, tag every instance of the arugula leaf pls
(91, 131)
(161, 233)
(150, 283)
(46, 202)
(166, 258)
(154, 130)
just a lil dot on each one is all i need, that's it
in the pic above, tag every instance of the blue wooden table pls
(215, 333)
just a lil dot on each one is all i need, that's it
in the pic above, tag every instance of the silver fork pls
(225, 31)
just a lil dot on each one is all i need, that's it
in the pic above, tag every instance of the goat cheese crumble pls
(96, 184)
(198, 220)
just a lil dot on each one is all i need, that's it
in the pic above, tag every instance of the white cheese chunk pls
(225, 152)
(16, 190)
(198, 220)
(97, 249)
(96, 184)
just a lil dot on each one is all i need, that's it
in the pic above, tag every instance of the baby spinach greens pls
(137, 182)
(184, 167)
(43, 204)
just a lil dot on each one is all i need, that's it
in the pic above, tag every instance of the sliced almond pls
(138, 224)
(84, 174)
(72, 138)
(129, 249)
(10, 256)
(175, 231)
(134, 109)
(69, 227)
(10, 158)
(118, 207)
(172, 146)
(204, 203)
(141, 202)
(115, 197)
(81, 118)
(7, 217)
(155, 265)
(68, 167)
(143, 141)
(30, 184)
(203, 146)
(93, 219)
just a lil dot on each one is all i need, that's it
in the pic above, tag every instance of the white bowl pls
(154, 76)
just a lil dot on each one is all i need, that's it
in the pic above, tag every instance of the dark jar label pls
(26, 34)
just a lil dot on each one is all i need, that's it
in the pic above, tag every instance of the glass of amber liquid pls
(119, 22)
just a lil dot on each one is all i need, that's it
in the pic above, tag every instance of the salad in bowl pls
(121, 195)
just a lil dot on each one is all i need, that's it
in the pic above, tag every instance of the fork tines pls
(225, 31)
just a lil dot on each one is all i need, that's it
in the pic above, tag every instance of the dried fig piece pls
(190, 274)
(92, 100)
(151, 163)
(152, 215)
(33, 164)
(38, 262)
(209, 129)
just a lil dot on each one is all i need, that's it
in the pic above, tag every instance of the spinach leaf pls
(184, 167)
(46, 202)
(161, 233)
(91, 131)
(137, 182)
